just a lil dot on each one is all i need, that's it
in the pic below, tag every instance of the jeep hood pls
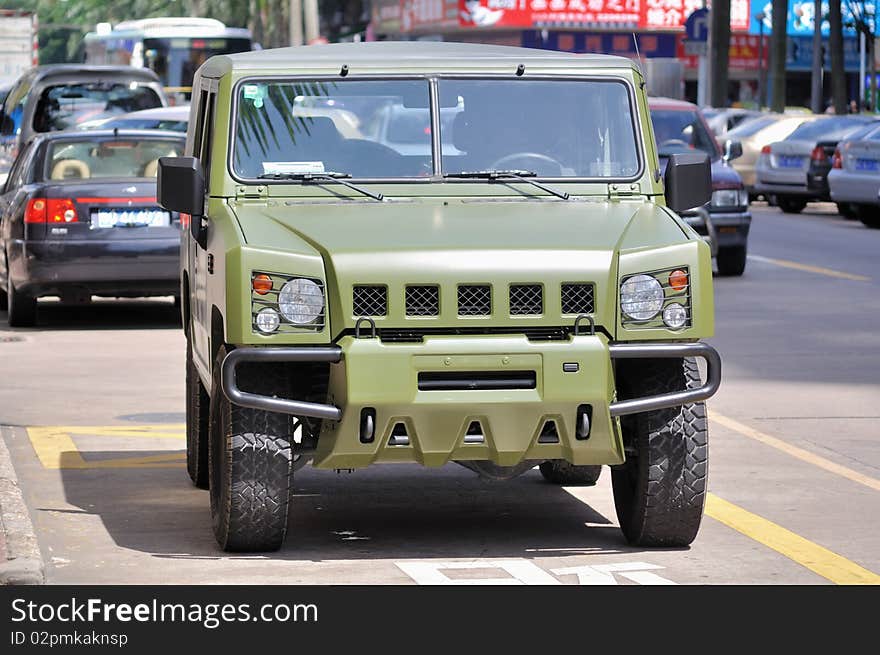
(471, 241)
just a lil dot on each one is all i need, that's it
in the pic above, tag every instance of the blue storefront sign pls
(611, 43)
(801, 17)
(799, 55)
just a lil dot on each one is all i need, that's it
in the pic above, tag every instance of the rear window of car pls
(751, 128)
(110, 158)
(64, 106)
(826, 128)
(678, 131)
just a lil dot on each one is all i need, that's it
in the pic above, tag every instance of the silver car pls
(781, 172)
(855, 176)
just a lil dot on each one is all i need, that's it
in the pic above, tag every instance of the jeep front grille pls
(423, 300)
(577, 298)
(474, 300)
(370, 300)
(526, 299)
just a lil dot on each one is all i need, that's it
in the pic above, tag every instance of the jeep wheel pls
(558, 471)
(731, 261)
(197, 413)
(791, 205)
(250, 464)
(22, 309)
(660, 490)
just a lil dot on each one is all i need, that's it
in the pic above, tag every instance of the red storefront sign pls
(744, 54)
(643, 14)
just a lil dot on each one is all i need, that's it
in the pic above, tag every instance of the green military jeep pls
(435, 252)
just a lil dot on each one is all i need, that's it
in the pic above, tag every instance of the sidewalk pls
(20, 559)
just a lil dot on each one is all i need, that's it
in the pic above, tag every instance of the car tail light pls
(836, 160)
(819, 154)
(50, 210)
(765, 150)
(35, 212)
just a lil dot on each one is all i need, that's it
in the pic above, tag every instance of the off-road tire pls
(870, 216)
(21, 308)
(660, 490)
(731, 260)
(558, 471)
(791, 205)
(198, 406)
(250, 464)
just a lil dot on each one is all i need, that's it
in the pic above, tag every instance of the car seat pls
(67, 169)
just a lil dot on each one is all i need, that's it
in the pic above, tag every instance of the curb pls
(24, 563)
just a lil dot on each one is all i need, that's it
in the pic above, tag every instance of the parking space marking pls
(56, 449)
(812, 556)
(785, 263)
(794, 451)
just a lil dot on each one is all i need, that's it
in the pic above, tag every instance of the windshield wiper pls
(326, 176)
(513, 174)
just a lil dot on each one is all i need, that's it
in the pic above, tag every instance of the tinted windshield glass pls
(74, 160)
(66, 105)
(826, 128)
(340, 126)
(679, 131)
(144, 124)
(751, 128)
(564, 128)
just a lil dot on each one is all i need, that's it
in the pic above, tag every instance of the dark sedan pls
(79, 217)
(680, 127)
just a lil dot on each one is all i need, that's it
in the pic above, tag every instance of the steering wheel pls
(544, 160)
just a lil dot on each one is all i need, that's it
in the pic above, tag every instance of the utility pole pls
(310, 10)
(778, 41)
(296, 22)
(719, 51)
(835, 43)
(818, 64)
(762, 69)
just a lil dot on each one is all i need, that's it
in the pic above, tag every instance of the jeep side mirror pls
(180, 185)
(732, 150)
(688, 181)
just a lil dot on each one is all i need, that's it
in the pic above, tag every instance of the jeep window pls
(681, 130)
(63, 106)
(294, 127)
(554, 128)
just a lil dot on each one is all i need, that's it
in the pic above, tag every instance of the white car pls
(854, 179)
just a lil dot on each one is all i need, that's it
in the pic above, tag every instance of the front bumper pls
(389, 383)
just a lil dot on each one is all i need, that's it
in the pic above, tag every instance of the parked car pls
(679, 127)
(79, 218)
(722, 120)
(781, 172)
(757, 133)
(821, 163)
(854, 179)
(61, 96)
(173, 118)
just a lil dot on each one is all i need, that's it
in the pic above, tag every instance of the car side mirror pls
(733, 149)
(180, 187)
(688, 181)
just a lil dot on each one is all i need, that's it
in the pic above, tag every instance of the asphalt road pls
(92, 404)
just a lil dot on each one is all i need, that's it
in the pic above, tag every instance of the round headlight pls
(267, 320)
(301, 301)
(675, 316)
(641, 297)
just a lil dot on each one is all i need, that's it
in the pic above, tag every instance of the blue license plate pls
(790, 162)
(867, 165)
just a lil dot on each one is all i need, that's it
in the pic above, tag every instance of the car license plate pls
(867, 165)
(790, 162)
(131, 218)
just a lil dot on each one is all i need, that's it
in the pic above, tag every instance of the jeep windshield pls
(381, 129)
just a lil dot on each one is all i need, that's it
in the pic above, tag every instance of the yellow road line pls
(794, 451)
(56, 450)
(830, 272)
(816, 558)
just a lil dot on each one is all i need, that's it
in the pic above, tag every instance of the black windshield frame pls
(432, 79)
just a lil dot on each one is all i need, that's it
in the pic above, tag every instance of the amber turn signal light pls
(262, 284)
(678, 280)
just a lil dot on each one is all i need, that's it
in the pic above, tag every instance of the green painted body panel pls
(446, 233)
(384, 376)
